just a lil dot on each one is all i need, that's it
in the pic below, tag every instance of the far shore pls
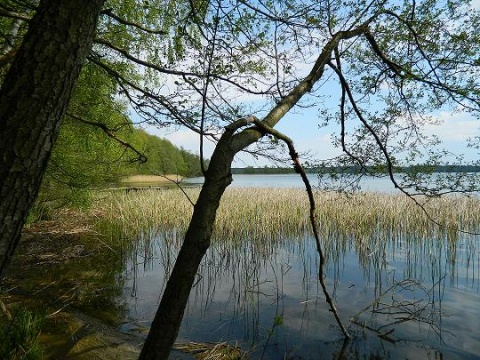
(152, 179)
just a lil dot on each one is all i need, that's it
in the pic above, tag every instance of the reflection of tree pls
(247, 285)
(62, 271)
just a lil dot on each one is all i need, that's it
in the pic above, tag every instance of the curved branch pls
(206, 85)
(109, 13)
(249, 136)
(141, 157)
(405, 73)
(121, 80)
(343, 116)
(313, 218)
(383, 149)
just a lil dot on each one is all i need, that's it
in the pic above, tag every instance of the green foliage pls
(97, 141)
(19, 336)
(163, 157)
(90, 151)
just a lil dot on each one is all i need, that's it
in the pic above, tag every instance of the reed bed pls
(271, 214)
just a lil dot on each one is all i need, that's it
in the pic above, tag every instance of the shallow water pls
(421, 296)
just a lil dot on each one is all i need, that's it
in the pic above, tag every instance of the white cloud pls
(454, 126)
(475, 4)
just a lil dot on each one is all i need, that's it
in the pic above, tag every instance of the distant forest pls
(357, 170)
(85, 158)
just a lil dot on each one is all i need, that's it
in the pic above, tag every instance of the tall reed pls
(272, 214)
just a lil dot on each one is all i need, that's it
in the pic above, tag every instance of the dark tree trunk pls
(33, 100)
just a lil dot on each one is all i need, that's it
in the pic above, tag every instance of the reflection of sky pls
(240, 292)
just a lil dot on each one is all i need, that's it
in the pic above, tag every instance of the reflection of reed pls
(261, 242)
(246, 283)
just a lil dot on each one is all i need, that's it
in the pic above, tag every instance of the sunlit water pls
(409, 298)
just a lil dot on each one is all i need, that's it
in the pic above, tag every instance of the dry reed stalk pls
(212, 351)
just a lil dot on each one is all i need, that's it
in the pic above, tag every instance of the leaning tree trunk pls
(166, 323)
(237, 136)
(33, 100)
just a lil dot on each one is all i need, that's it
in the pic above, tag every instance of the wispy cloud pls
(454, 126)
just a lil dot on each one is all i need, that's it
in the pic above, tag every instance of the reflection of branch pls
(141, 157)
(399, 311)
(299, 169)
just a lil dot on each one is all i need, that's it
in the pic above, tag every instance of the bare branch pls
(14, 15)
(121, 80)
(387, 157)
(313, 217)
(164, 70)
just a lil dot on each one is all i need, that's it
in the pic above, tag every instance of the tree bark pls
(33, 100)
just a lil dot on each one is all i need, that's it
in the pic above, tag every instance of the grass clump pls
(19, 335)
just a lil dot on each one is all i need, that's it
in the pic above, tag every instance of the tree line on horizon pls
(426, 169)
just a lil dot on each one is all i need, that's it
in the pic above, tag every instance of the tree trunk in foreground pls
(33, 100)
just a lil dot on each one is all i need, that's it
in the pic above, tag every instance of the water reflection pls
(406, 297)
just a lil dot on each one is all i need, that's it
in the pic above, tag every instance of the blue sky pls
(302, 126)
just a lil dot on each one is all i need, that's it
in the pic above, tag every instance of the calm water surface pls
(410, 298)
(294, 180)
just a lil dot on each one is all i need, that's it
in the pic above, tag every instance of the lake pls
(407, 298)
(294, 180)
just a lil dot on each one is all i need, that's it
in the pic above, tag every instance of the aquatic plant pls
(261, 215)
